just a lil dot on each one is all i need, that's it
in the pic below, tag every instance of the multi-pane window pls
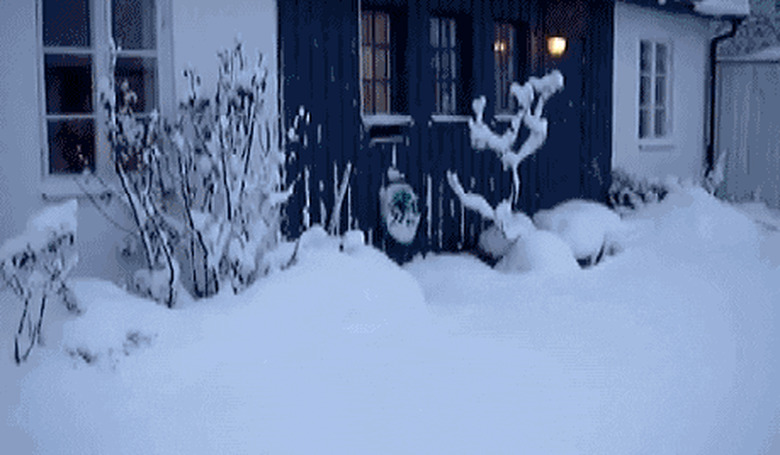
(375, 62)
(76, 54)
(445, 61)
(504, 49)
(654, 99)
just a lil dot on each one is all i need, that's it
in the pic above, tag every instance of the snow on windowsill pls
(656, 146)
(449, 118)
(372, 120)
(723, 7)
(505, 117)
(56, 188)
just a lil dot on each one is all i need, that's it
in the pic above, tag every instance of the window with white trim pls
(75, 53)
(654, 90)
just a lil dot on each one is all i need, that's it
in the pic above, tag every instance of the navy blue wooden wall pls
(319, 62)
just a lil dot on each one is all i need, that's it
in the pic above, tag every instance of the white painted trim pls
(371, 120)
(668, 140)
(449, 118)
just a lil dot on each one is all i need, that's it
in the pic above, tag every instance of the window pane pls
(435, 32)
(66, 23)
(368, 96)
(381, 64)
(453, 73)
(660, 91)
(644, 55)
(445, 65)
(644, 90)
(381, 97)
(660, 123)
(660, 58)
(381, 28)
(68, 84)
(367, 66)
(71, 145)
(140, 74)
(365, 27)
(503, 57)
(134, 24)
(644, 123)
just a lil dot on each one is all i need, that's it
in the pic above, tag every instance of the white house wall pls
(203, 27)
(683, 155)
(19, 116)
(199, 27)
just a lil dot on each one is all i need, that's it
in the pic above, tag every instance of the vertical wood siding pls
(319, 59)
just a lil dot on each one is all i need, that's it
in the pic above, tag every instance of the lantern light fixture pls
(556, 45)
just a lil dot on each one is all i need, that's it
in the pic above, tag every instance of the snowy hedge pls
(35, 266)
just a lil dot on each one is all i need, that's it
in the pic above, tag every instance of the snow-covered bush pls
(205, 188)
(35, 266)
(230, 173)
(141, 167)
(512, 226)
(589, 228)
(630, 192)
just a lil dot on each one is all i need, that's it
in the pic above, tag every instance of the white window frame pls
(55, 186)
(652, 142)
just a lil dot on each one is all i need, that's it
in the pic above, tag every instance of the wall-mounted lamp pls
(499, 46)
(556, 45)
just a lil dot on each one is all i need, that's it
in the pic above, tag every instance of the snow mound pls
(589, 228)
(538, 251)
(493, 242)
(113, 323)
(691, 219)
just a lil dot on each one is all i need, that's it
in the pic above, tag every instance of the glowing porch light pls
(556, 45)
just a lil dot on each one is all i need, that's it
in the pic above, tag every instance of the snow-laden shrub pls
(142, 169)
(206, 188)
(589, 228)
(630, 192)
(230, 173)
(35, 266)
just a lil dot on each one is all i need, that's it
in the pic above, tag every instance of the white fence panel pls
(748, 129)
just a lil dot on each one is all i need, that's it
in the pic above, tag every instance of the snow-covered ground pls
(671, 346)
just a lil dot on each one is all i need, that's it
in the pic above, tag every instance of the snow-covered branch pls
(531, 98)
(528, 114)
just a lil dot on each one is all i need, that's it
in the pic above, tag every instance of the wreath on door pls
(400, 210)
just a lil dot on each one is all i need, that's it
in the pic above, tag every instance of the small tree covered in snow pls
(231, 174)
(531, 98)
(35, 265)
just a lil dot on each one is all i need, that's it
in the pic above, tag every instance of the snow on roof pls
(769, 54)
(723, 7)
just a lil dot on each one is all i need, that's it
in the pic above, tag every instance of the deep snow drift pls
(671, 346)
